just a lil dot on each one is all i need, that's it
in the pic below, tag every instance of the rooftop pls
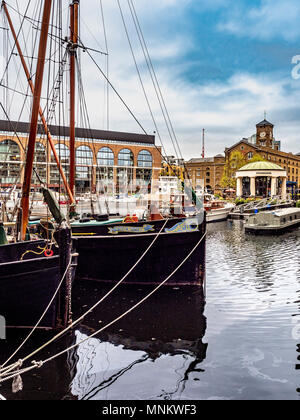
(81, 133)
(264, 123)
(261, 166)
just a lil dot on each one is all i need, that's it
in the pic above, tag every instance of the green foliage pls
(257, 158)
(240, 201)
(298, 204)
(236, 161)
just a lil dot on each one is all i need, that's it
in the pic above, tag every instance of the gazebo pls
(262, 179)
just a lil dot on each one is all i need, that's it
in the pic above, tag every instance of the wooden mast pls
(74, 13)
(43, 119)
(34, 116)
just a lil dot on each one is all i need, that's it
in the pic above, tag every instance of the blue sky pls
(220, 63)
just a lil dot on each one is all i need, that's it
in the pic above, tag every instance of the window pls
(145, 159)
(126, 158)
(64, 156)
(106, 157)
(40, 161)
(250, 155)
(10, 166)
(84, 166)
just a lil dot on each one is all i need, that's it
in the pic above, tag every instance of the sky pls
(220, 64)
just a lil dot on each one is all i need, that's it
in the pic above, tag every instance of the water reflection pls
(160, 350)
(149, 354)
(252, 300)
(171, 323)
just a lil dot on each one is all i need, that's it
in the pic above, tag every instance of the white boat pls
(216, 210)
(219, 214)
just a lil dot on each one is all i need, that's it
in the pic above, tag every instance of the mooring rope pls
(39, 364)
(20, 362)
(74, 323)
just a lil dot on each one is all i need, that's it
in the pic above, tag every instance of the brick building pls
(206, 173)
(105, 160)
(268, 148)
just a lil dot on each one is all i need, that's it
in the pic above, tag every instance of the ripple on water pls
(253, 277)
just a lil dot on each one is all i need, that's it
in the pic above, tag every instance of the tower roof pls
(264, 123)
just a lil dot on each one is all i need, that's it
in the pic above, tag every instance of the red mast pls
(34, 116)
(43, 119)
(74, 12)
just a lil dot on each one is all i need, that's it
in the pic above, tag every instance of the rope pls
(42, 363)
(84, 315)
(20, 362)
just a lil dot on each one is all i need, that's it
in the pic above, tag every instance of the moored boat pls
(216, 210)
(108, 250)
(273, 222)
(35, 275)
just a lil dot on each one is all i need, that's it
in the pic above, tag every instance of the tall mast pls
(34, 116)
(43, 119)
(203, 143)
(74, 13)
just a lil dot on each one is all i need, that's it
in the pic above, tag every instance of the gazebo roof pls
(261, 166)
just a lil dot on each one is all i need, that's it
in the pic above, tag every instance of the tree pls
(235, 161)
(257, 158)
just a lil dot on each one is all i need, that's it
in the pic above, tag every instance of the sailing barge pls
(31, 271)
(107, 251)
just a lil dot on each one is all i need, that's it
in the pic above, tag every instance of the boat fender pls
(49, 253)
(131, 219)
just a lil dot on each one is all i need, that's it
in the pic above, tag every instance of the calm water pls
(242, 344)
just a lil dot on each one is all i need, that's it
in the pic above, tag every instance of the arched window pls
(40, 160)
(145, 159)
(106, 157)
(105, 170)
(84, 156)
(10, 162)
(84, 167)
(126, 158)
(63, 153)
(40, 153)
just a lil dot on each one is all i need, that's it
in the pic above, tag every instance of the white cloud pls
(272, 19)
(228, 110)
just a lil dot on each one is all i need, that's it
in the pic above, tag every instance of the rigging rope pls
(93, 307)
(42, 363)
(36, 326)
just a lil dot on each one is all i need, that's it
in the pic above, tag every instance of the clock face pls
(263, 134)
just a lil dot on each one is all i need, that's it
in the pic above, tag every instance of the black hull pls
(108, 258)
(27, 286)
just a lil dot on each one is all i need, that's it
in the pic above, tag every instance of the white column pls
(273, 187)
(239, 187)
(283, 190)
(252, 187)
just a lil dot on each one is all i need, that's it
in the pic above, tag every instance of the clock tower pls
(264, 134)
